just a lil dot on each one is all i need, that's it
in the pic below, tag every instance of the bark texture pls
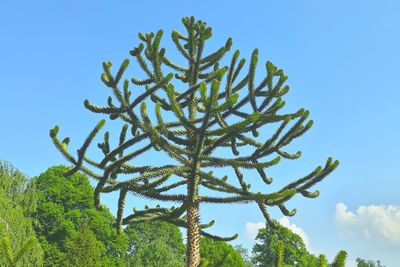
(193, 235)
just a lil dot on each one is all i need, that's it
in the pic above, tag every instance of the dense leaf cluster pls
(295, 253)
(219, 254)
(155, 242)
(280, 247)
(63, 205)
(18, 244)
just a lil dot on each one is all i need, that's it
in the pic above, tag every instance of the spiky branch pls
(205, 108)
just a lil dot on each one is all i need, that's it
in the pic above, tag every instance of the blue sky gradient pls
(342, 61)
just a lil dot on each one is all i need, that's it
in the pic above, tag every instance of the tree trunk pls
(193, 235)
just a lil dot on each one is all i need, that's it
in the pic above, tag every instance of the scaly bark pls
(193, 235)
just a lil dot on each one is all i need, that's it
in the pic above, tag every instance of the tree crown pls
(200, 109)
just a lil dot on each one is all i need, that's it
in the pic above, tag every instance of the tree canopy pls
(219, 254)
(281, 247)
(244, 254)
(63, 205)
(155, 244)
(368, 263)
(295, 251)
(206, 109)
(17, 201)
(84, 249)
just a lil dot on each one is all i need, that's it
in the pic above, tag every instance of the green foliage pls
(85, 249)
(322, 261)
(19, 246)
(154, 254)
(73, 233)
(280, 250)
(17, 187)
(219, 254)
(281, 247)
(340, 259)
(244, 253)
(6, 251)
(368, 263)
(63, 205)
(255, 108)
(265, 250)
(14, 258)
(209, 110)
(155, 244)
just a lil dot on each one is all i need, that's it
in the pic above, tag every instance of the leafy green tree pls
(322, 261)
(368, 263)
(155, 244)
(340, 259)
(19, 246)
(244, 253)
(275, 244)
(63, 205)
(295, 252)
(204, 119)
(216, 253)
(17, 187)
(84, 250)
(154, 254)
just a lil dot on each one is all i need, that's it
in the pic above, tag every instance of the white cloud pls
(253, 227)
(295, 229)
(374, 222)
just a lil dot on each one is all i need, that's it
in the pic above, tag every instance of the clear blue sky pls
(342, 59)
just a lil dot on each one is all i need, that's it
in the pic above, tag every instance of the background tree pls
(204, 119)
(63, 205)
(13, 259)
(17, 201)
(281, 247)
(219, 254)
(85, 249)
(18, 188)
(322, 261)
(244, 254)
(368, 263)
(340, 259)
(155, 244)
(154, 254)
(295, 251)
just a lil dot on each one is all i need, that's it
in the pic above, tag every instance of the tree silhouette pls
(196, 119)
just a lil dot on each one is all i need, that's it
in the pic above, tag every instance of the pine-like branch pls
(195, 119)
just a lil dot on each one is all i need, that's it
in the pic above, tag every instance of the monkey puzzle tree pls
(196, 117)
